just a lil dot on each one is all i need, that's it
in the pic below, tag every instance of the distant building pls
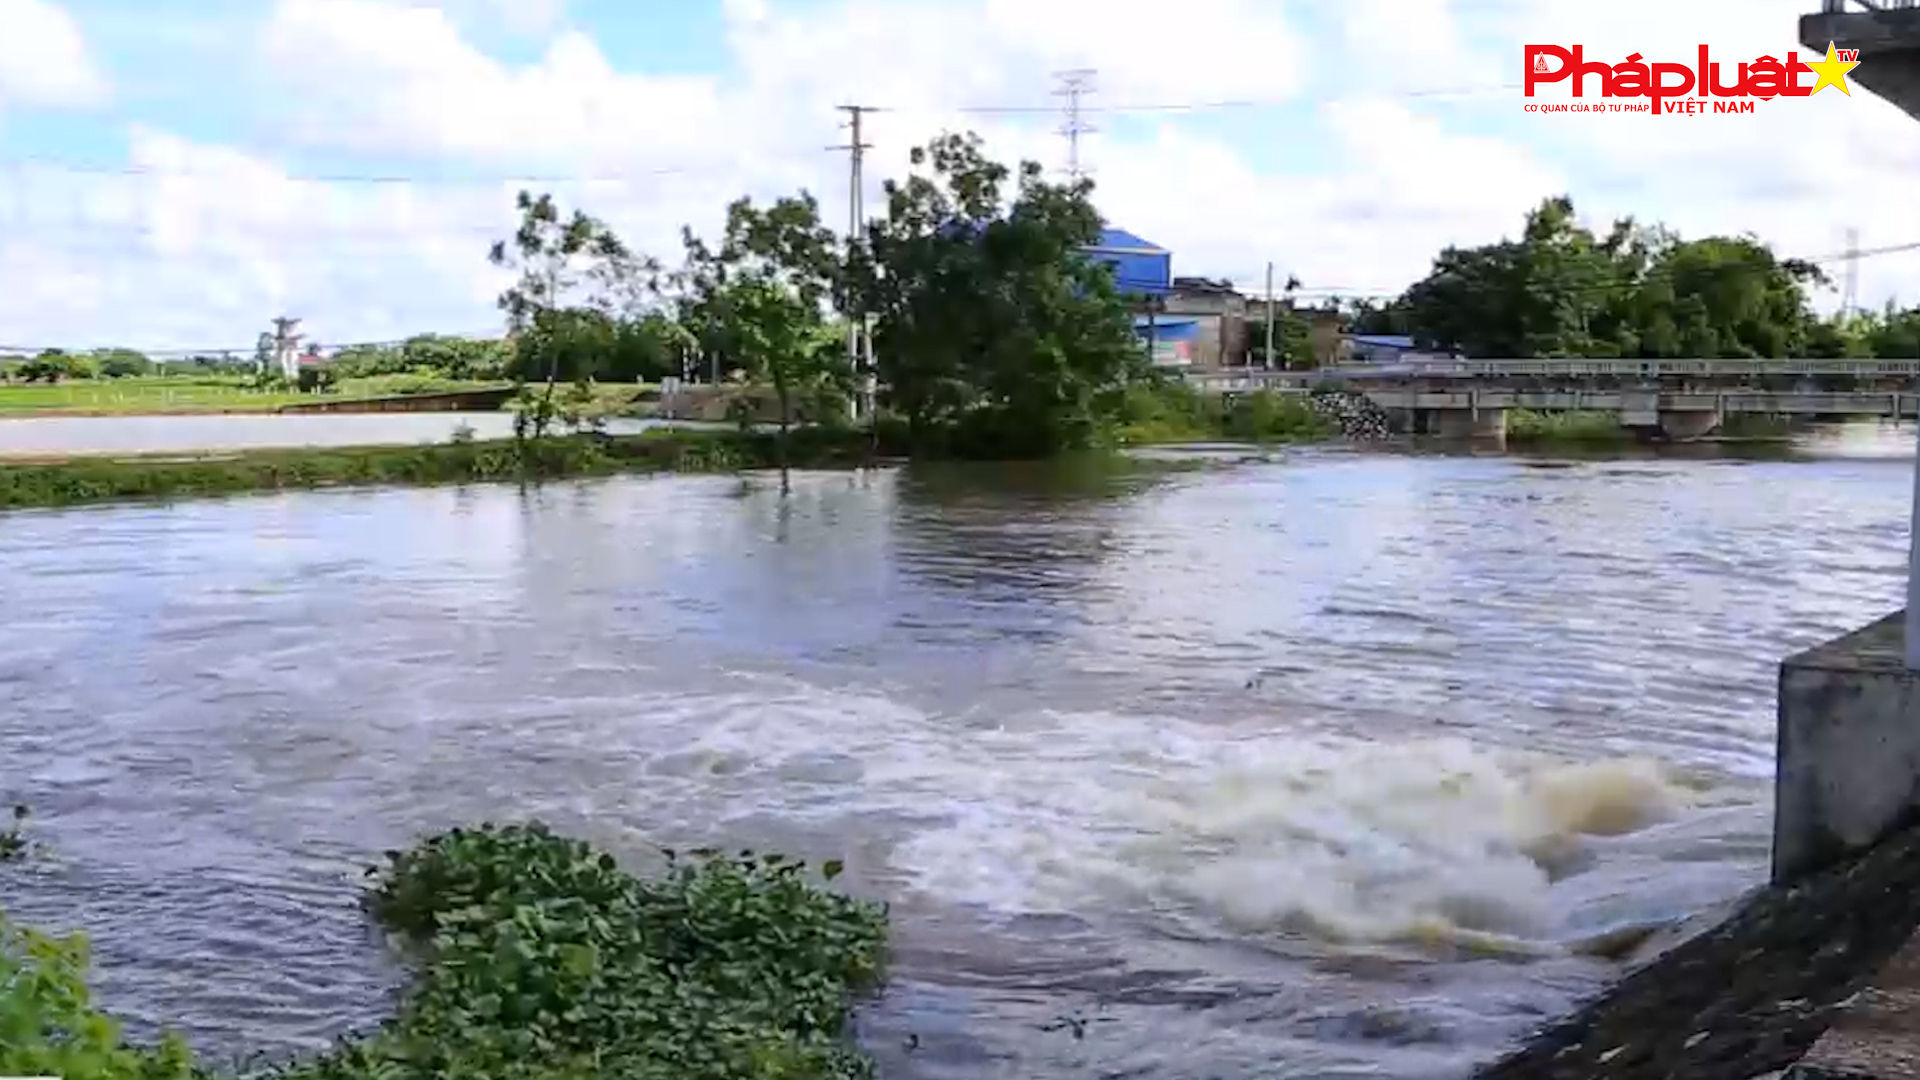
(1142, 271)
(1384, 349)
(1143, 274)
(1378, 348)
(1213, 320)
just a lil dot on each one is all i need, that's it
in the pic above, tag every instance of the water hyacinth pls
(536, 956)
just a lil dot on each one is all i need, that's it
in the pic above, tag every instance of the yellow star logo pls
(1832, 72)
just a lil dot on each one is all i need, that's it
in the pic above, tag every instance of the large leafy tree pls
(760, 299)
(575, 282)
(1562, 290)
(988, 320)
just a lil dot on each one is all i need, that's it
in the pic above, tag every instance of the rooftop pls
(1120, 240)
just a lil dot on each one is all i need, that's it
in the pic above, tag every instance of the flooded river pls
(1322, 766)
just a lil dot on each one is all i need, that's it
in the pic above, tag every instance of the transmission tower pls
(1074, 86)
(1850, 290)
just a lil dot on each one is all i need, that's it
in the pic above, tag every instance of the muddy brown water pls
(1331, 764)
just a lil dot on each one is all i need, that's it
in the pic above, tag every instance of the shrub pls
(541, 958)
(537, 957)
(49, 1027)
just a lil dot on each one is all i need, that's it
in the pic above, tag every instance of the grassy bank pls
(188, 396)
(536, 957)
(98, 479)
(182, 396)
(1179, 414)
(1526, 427)
(1755, 426)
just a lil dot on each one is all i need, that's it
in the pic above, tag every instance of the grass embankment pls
(536, 957)
(1757, 427)
(184, 396)
(1526, 427)
(99, 479)
(1180, 414)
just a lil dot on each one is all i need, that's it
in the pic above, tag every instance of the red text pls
(1765, 78)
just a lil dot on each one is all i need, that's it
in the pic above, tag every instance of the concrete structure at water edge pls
(1848, 770)
(1887, 35)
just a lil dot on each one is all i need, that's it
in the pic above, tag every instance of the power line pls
(1232, 103)
(48, 163)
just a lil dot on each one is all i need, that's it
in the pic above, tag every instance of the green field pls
(126, 397)
(184, 396)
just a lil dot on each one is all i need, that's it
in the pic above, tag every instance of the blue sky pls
(157, 157)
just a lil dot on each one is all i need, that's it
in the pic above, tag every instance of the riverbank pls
(1600, 430)
(213, 396)
(536, 955)
(83, 480)
(1746, 996)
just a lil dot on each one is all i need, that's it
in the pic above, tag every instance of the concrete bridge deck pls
(1579, 368)
(1683, 399)
(1808, 403)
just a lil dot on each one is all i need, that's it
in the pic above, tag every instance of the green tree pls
(761, 297)
(1894, 334)
(558, 329)
(451, 357)
(364, 361)
(1638, 291)
(989, 321)
(1545, 294)
(122, 363)
(52, 365)
(1719, 297)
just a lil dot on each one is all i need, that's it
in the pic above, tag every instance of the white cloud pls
(43, 58)
(1360, 197)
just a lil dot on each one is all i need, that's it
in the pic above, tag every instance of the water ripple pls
(1330, 762)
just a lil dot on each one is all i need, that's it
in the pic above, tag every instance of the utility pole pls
(1267, 357)
(856, 148)
(1075, 85)
(1850, 293)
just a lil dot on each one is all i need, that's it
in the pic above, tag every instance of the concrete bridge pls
(1681, 399)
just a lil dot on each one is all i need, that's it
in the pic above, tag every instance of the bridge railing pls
(1582, 367)
(1839, 7)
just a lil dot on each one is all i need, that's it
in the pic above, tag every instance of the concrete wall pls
(1220, 339)
(1889, 44)
(1848, 768)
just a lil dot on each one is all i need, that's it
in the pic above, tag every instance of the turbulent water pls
(1329, 765)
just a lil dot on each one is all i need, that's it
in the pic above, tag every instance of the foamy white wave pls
(1227, 831)
(1361, 841)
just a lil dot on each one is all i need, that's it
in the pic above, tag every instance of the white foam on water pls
(1224, 831)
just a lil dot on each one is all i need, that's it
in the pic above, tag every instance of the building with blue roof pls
(1143, 274)
(1141, 269)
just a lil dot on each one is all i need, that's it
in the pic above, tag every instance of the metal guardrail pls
(1577, 368)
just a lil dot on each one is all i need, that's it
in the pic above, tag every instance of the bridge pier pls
(1847, 772)
(1479, 425)
(1682, 425)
